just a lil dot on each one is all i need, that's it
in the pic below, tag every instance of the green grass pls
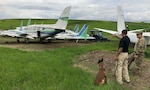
(49, 70)
(13, 23)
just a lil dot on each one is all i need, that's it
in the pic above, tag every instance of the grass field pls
(13, 23)
(53, 69)
(47, 70)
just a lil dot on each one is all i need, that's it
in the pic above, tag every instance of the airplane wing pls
(146, 34)
(107, 31)
(133, 31)
(15, 33)
(147, 37)
(9, 34)
(30, 37)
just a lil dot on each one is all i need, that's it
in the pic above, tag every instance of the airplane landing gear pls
(18, 41)
(26, 40)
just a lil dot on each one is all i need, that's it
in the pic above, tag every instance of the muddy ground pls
(37, 46)
(88, 61)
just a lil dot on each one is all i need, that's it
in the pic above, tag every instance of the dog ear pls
(100, 60)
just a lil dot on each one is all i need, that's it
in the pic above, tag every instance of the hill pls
(13, 23)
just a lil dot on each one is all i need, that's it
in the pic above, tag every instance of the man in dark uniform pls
(122, 59)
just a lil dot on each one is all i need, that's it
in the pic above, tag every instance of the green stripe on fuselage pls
(64, 18)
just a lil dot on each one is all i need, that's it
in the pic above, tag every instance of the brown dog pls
(101, 75)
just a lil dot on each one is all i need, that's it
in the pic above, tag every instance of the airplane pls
(121, 26)
(61, 22)
(82, 35)
(62, 35)
(40, 31)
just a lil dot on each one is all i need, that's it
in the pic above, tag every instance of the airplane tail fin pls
(29, 22)
(76, 28)
(83, 31)
(21, 24)
(63, 19)
(120, 21)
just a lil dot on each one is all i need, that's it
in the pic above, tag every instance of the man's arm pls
(117, 36)
(118, 53)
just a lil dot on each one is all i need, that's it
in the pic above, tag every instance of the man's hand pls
(135, 56)
(114, 35)
(116, 58)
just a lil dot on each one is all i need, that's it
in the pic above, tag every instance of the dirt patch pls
(36, 46)
(88, 62)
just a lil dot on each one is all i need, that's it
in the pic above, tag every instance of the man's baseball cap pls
(139, 32)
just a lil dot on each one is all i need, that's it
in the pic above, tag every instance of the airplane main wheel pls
(49, 40)
(18, 41)
(41, 40)
(26, 40)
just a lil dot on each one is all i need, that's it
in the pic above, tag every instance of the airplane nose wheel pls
(77, 41)
(41, 40)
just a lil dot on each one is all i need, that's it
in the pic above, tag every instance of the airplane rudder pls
(76, 28)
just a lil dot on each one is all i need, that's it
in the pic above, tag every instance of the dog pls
(101, 75)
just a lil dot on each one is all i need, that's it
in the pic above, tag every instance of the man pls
(122, 59)
(138, 54)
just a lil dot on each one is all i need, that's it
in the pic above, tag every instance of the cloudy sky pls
(134, 10)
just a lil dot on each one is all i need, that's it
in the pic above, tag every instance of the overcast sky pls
(134, 10)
